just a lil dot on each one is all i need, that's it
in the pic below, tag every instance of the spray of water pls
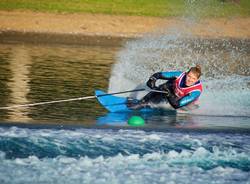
(225, 67)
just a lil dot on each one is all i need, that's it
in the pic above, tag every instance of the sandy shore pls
(74, 28)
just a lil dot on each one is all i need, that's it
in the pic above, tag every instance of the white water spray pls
(225, 67)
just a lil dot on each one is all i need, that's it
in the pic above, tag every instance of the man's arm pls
(167, 75)
(191, 97)
(162, 75)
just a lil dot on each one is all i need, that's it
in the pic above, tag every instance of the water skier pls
(181, 90)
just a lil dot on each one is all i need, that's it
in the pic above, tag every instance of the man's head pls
(193, 75)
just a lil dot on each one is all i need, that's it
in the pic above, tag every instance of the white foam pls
(225, 69)
(119, 169)
(168, 157)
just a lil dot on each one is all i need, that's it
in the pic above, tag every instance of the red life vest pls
(181, 92)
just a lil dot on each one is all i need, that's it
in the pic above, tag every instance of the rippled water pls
(31, 74)
(79, 142)
(124, 156)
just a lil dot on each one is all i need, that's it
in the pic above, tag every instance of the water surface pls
(80, 142)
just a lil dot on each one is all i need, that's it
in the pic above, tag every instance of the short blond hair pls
(196, 70)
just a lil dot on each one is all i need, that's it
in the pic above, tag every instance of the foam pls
(225, 69)
(170, 167)
(125, 156)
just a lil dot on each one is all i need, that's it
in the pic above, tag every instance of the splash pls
(225, 67)
(98, 156)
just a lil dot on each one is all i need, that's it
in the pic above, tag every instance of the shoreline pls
(16, 37)
(99, 29)
(12, 37)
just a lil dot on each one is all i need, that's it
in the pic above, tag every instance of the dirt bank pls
(18, 25)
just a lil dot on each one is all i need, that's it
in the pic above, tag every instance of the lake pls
(80, 142)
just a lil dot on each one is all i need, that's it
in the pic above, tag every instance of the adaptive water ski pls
(114, 103)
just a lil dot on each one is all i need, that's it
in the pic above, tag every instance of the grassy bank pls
(159, 8)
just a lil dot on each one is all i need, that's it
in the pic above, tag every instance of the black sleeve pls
(173, 101)
(157, 75)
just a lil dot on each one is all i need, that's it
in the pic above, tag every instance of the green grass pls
(157, 8)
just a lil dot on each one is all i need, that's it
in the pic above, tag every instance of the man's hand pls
(164, 88)
(151, 82)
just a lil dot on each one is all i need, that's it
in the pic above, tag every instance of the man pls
(182, 89)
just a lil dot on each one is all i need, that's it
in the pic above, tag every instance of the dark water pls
(79, 142)
(31, 74)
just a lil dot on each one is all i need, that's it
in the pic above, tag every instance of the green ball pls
(136, 121)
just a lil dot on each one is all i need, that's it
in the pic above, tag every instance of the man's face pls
(191, 79)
